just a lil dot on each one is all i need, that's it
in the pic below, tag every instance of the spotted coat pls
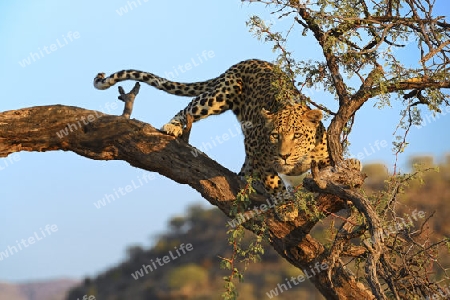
(282, 135)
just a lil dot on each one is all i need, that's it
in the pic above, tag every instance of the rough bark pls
(105, 137)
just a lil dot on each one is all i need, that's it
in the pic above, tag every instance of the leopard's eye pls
(297, 135)
(274, 135)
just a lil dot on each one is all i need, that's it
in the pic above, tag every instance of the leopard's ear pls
(268, 116)
(314, 116)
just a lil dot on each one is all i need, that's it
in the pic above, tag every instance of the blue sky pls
(70, 42)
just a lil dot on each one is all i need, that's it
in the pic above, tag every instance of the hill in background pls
(42, 290)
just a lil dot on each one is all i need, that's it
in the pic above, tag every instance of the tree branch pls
(104, 137)
(331, 59)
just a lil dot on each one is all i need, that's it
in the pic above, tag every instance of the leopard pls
(282, 134)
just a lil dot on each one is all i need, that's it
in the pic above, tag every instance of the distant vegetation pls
(196, 274)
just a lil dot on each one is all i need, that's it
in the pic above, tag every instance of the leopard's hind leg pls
(219, 99)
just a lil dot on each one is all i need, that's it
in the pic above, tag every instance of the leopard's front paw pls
(172, 129)
(354, 164)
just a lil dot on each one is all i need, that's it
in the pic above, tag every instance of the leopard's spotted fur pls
(284, 134)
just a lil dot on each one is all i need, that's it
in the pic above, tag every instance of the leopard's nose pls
(285, 156)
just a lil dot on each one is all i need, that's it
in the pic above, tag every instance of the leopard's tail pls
(181, 89)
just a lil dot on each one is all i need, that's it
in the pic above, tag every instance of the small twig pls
(339, 217)
(403, 143)
(434, 51)
(128, 99)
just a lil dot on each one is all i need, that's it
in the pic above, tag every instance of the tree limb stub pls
(104, 137)
(128, 98)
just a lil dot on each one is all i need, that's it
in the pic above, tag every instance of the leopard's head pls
(293, 133)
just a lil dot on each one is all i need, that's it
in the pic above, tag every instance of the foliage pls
(240, 254)
(363, 45)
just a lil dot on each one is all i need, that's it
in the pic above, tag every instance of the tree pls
(358, 38)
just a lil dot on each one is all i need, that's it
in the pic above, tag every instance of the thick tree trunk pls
(104, 137)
